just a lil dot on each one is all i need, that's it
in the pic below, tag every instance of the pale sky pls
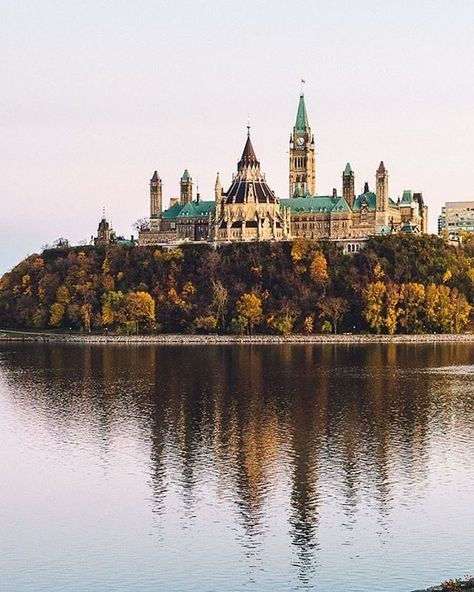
(97, 94)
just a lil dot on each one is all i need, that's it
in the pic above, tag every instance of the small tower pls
(381, 193)
(105, 233)
(156, 196)
(218, 193)
(186, 188)
(302, 157)
(348, 185)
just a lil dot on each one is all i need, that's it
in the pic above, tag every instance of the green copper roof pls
(172, 212)
(185, 176)
(316, 204)
(407, 197)
(369, 198)
(194, 209)
(348, 170)
(302, 123)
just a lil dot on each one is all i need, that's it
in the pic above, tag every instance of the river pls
(235, 467)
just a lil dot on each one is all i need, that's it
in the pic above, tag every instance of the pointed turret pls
(248, 155)
(381, 193)
(186, 188)
(156, 196)
(218, 189)
(302, 121)
(348, 185)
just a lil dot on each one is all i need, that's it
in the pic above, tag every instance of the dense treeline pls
(399, 284)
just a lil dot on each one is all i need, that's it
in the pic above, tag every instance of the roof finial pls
(103, 212)
(248, 125)
(303, 82)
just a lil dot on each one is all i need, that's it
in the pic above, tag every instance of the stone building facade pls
(250, 210)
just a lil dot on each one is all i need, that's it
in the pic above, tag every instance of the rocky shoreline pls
(451, 586)
(183, 339)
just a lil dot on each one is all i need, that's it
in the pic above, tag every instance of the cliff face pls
(398, 284)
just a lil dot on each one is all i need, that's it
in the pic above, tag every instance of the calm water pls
(235, 468)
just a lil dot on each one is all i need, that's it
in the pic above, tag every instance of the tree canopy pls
(396, 284)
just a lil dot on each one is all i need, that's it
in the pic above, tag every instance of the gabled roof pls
(302, 122)
(407, 198)
(172, 212)
(196, 209)
(369, 197)
(316, 204)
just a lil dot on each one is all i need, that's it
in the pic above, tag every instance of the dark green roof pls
(316, 204)
(407, 197)
(172, 212)
(302, 123)
(185, 176)
(348, 170)
(192, 209)
(368, 197)
(196, 209)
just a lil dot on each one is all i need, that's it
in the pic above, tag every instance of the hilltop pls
(397, 284)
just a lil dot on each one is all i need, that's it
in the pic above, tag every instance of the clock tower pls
(302, 157)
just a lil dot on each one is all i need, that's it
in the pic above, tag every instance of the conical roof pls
(155, 176)
(186, 176)
(348, 170)
(302, 122)
(248, 157)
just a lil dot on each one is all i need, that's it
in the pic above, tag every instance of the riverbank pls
(452, 586)
(232, 339)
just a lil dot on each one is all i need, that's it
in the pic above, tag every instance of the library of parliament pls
(249, 210)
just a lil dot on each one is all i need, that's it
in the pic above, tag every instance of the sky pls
(96, 95)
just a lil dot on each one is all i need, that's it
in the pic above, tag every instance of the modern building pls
(250, 210)
(456, 216)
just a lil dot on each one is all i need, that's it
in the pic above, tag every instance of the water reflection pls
(289, 431)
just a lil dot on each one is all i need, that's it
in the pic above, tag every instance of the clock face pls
(300, 141)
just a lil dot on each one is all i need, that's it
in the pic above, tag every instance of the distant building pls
(106, 235)
(456, 216)
(250, 210)
(105, 232)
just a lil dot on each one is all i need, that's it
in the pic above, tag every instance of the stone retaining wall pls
(233, 339)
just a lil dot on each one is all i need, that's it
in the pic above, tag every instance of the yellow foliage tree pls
(411, 307)
(374, 296)
(56, 314)
(140, 308)
(318, 270)
(249, 306)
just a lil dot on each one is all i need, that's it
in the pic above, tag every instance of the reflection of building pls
(250, 210)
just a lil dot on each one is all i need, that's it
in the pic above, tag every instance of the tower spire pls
(302, 121)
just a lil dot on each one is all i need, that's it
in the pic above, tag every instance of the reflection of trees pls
(349, 426)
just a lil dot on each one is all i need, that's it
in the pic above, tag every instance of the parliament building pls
(249, 210)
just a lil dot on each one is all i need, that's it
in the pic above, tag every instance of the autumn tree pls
(249, 306)
(318, 270)
(374, 297)
(333, 309)
(140, 309)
